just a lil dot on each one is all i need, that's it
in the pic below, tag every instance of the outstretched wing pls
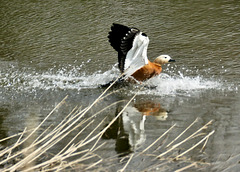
(137, 55)
(131, 45)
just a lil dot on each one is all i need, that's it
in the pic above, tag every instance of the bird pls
(131, 45)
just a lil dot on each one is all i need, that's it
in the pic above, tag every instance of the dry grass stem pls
(204, 145)
(15, 135)
(182, 132)
(207, 136)
(15, 145)
(158, 139)
(123, 169)
(187, 167)
(94, 164)
(178, 144)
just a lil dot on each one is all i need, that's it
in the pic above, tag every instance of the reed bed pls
(32, 150)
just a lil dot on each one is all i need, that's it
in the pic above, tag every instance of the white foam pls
(61, 79)
(72, 79)
(165, 84)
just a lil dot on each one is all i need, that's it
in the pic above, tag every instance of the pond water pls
(50, 49)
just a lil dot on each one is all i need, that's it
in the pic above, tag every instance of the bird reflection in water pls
(128, 130)
(152, 109)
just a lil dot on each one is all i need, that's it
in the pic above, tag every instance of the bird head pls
(163, 59)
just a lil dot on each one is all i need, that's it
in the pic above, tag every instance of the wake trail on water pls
(65, 79)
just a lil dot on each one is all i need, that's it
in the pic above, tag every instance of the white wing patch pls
(137, 55)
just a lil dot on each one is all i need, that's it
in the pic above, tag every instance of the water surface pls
(52, 49)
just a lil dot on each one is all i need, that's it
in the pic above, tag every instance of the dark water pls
(50, 49)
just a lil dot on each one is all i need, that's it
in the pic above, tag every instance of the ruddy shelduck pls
(131, 45)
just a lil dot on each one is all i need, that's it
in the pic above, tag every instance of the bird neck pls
(157, 63)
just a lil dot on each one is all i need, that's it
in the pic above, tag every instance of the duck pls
(131, 45)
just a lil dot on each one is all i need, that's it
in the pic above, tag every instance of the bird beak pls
(171, 60)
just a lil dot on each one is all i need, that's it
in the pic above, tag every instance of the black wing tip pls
(115, 36)
(121, 38)
(120, 32)
(117, 24)
(144, 34)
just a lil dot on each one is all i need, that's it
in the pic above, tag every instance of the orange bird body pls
(147, 71)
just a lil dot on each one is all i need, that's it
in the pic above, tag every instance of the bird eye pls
(165, 57)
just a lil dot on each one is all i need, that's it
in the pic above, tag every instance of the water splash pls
(50, 80)
(165, 84)
(73, 79)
